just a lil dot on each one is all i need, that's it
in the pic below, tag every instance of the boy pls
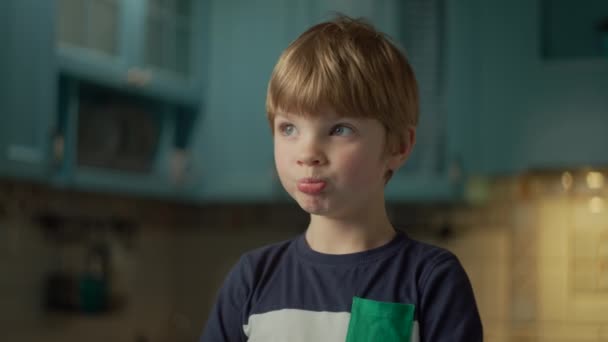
(343, 105)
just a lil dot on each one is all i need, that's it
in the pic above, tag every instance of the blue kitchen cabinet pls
(233, 153)
(122, 142)
(153, 47)
(436, 38)
(573, 30)
(382, 14)
(129, 87)
(50, 134)
(533, 110)
(27, 89)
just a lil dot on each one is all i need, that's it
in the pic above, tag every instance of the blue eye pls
(342, 130)
(287, 129)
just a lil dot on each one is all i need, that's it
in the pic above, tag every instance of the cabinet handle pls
(58, 148)
(24, 154)
(455, 171)
(138, 77)
(179, 166)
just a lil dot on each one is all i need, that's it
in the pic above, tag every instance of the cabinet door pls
(115, 141)
(90, 24)
(533, 111)
(170, 46)
(28, 88)
(146, 46)
(421, 33)
(234, 142)
(91, 39)
(169, 27)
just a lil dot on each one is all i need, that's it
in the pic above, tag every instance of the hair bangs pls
(348, 67)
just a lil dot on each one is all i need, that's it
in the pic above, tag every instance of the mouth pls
(311, 186)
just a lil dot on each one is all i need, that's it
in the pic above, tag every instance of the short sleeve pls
(448, 309)
(225, 323)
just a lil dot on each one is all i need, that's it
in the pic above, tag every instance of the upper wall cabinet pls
(150, 46)
(27, 96)
(168, 44)
(541, 87)
(433, 171)
(233, 143)
(121, 142)
(574, 30)
(92, 25)
(65, 122)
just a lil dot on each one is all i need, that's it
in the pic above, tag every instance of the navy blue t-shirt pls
(404, 290)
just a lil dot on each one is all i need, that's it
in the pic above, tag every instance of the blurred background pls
(136, 160)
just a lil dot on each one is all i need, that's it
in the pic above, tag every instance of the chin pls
(312, 205)
(314, 210)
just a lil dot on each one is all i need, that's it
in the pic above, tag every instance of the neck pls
(360, 231)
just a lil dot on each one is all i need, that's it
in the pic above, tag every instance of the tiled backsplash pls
(535, 251)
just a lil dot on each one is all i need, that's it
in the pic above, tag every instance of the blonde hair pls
(346, 65)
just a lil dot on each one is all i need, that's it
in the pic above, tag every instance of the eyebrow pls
(332, 121)
(282, 117)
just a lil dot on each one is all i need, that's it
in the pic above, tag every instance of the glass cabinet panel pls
(71, 22)
(104, 22)
(90, 24)
(168, 42)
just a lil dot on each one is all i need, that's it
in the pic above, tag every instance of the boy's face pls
(332, 166)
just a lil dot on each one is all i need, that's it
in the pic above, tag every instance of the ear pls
(406, 145)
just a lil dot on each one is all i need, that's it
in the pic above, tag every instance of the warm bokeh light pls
(567, 180)
(596, 204)
(595, 180)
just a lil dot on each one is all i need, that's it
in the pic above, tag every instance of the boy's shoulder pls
(271, 249)
(428, 252)
(263, 256)
(434, 264)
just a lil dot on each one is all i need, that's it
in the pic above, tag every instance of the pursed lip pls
(310, 180)
(311, 185)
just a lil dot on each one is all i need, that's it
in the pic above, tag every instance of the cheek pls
(362, 167)
(281, 157)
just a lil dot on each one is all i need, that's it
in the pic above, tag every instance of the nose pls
(311, 153)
